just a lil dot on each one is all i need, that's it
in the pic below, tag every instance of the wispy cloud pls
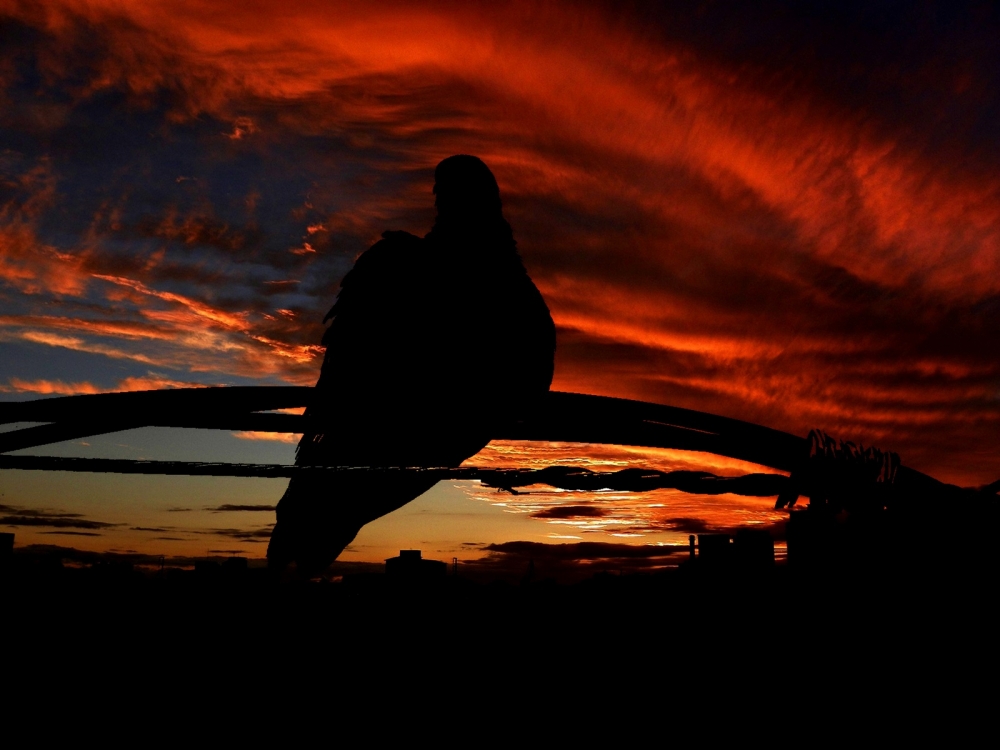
(277, 437)
(718, 221)
(242, 508)
(46, 518)
(57, 387)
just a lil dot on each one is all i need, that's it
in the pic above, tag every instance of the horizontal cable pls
(561, 477)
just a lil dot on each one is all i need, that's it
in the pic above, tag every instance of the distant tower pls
(529, 576)
(454, 566)
(6, 549)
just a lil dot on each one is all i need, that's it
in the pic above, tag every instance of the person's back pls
(433, 344)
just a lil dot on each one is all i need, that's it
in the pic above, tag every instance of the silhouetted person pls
(433, 343)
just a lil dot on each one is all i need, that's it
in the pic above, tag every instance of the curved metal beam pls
(561, 417)
(189, 402)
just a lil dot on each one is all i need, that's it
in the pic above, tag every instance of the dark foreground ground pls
(726, 626)
(862, 640)
(782, 653)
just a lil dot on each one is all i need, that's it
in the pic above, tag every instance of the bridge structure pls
(817, 466)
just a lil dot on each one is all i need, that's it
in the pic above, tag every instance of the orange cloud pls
(80, 345)
(277, 437)
(662, 516)
(517, 454)
(26, 263)
(223, 319)
(599, 84)
(58, 387)
(705, 234)
(46, 387)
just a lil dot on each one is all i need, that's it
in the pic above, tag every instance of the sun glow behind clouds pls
(661, 516)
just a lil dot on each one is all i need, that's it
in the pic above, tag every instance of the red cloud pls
(705, 234)
(58, 387)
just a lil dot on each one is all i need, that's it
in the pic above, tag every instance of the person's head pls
(466, 191)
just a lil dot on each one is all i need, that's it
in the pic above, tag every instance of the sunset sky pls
(783, 212)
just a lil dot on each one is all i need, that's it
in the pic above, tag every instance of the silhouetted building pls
(810, 537)
(748, 549)
(6, 552)
(410, 565)
(753, 549)
(819, 538)
(207, 569)
(112, 570)
(529, 574)
(235, 564)
(715, 550)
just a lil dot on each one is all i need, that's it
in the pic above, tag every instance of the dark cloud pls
(48, 519)
(571, 511)
(229, 507)
(246, 535)
(688, 525)
(525, 561)
(582, 551)
(88, 557)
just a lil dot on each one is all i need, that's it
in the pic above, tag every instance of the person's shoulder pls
(388, 260)
(390, 256)
(394, 247)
